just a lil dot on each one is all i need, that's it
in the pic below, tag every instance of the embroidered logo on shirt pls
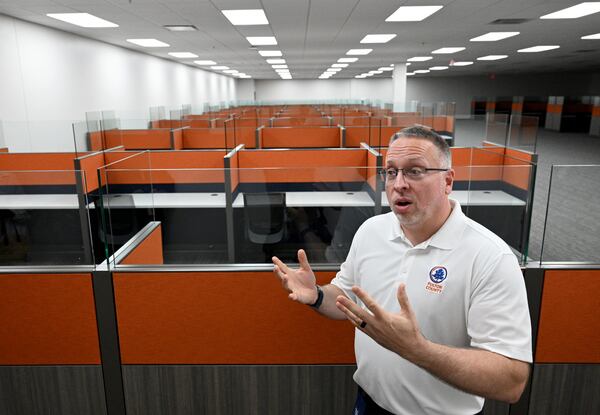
(437, 275)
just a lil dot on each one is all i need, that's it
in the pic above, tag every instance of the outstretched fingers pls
(403, 300)
(367, 300)
(303, 260)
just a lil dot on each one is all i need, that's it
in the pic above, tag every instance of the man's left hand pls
(397, 332)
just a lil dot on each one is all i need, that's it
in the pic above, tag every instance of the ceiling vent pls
(585, 50)
(509, 21)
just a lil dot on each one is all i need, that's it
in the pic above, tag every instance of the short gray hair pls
(422, 132)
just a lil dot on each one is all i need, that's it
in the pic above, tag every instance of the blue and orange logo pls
(438, 274)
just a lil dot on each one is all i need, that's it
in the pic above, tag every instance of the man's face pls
(416, 201)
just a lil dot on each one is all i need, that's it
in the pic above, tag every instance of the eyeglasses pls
(410, 173)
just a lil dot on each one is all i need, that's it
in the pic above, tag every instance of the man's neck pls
(423, 233)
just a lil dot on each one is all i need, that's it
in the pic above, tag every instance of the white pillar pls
(399, 81)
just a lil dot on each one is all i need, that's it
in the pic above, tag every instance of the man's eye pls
(415, 171)
(391, 172)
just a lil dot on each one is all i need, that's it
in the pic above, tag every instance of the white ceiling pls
(313, 34)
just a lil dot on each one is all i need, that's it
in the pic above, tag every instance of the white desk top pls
(166, 200)
(477, 198)
(319, 199)
(40, 201)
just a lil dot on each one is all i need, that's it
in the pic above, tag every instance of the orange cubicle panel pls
(223, 318)
(47, 319)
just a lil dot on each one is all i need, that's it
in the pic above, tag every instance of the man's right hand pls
(301, 282)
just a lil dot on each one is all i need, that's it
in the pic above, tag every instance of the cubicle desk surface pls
(166, 200)
(39, 201)
(320, 199)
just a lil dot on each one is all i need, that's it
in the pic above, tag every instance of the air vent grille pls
(510, 21)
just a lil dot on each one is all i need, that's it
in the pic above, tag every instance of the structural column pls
(595, 122)
(399, 81)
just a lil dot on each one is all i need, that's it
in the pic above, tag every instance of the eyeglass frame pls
(384, 173)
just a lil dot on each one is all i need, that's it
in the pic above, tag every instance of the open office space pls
(156, 154)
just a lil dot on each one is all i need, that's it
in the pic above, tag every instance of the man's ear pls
(449, 181)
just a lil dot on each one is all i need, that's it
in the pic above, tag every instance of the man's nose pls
(400, 181)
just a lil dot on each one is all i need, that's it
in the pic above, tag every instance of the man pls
(438, 301)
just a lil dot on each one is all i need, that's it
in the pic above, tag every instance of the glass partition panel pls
(496, 128)
(43, 221)
(125, 198)
(500, 198)
(522, 132)
(81, 138)
(572, 216)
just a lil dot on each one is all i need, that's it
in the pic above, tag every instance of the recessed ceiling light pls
(494, 36)
(464, 63)
(448, 50)
(205, 63)
(420, 59)
(279, 66)
(492, 57)
(268, 53)
(148, 43)
(262, 40)
(183, 55)
(339, 65)
(359, 76)
(82, 19)
(412, 13)
(386, 68)
(286, 76)
(410, 73)
(407, 64)
(591, 37)
(247, 17)
(231, 71)
(377, 38)
(181, 28)
(347, 60)
(359, 51)
(421, 71)
(282, 70)
(377, 72)
(275, 61)
(219, 67)
(245, 76)
(438, 68)
(534, 49)
(575, 12)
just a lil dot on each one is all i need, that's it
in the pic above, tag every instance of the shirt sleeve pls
(498, 316)
(345, 279)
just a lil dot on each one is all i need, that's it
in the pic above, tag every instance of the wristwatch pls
(320, 296)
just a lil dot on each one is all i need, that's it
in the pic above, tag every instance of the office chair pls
(265, 217)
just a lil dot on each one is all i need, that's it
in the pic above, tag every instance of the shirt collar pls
(445, 238)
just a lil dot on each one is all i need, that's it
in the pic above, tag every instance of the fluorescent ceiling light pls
(386, 68)
(245, 76)
(82, 19)
(231, 71)
(575, 12)
(494, 36)
(249, 17)
(282, 70)
(279, 66)
(339, 65)
(438, 68)
(205, 63)
(412, 13)
(375, 72)
(591, 37)
(347, 60)
(377, 38)
(148, 43)
(420, 59)
(535, 49)
(334, 69)
(422, 71)
(492, 57)
(262, 40)
(275, 61)
(286, 77)
(448, 50)
(464, 63)
(183, 55)
(410, 73)
(181, 28)
(407, 64)
(268, 53)
(219, 67)
(359, 51)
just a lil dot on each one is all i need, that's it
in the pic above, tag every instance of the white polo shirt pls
(466, 289)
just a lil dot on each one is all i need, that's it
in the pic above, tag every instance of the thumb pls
(303, 260)
(403, 299)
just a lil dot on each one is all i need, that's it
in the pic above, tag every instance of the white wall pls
(50, 78)
(245, 89)
(323, 89)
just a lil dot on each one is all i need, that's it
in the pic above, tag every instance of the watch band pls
(320, 296)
